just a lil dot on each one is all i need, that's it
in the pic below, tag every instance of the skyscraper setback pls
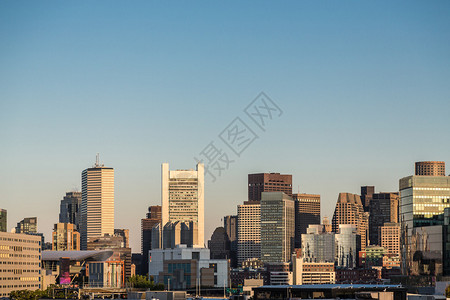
(97, 205)
(268, 182)
(182, 194)
(349, 210)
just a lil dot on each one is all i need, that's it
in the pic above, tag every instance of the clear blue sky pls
(364, 86)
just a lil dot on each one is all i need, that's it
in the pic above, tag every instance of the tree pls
(447, 291)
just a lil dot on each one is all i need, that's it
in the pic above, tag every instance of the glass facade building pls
(277, 227)
(347, 246)
(422, 203)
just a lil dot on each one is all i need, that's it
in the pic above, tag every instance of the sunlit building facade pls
(249, 231)
(182, 194)
(97, 205)
(65, 237)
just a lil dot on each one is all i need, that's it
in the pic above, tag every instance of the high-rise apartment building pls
(70, 209)
(349, 210)
(307, 212)
(277, 227)
(249, 231)
(318, 245)
(20, 263)
(268, 182)
(182, 194)
(97, 205)
(390, 238)
(27, 225)
(65, 237)
(430, 168)
(3, 220)
(383, 208)
(153, 217)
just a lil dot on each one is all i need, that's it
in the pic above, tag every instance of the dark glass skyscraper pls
(70, 208)
(3, 220)
(307, 212)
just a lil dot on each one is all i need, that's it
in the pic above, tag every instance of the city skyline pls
(363, 88)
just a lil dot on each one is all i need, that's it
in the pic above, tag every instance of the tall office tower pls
(307, 212)
(390, 238)
(65, 237)
(366, 196)
(430, 168)
(349, 210)
(383, 208)
(219, 245)
(183, 198)
(97, 205)
(230, 223)
(268, 182)
(153, 218)
(27, 225)
(277, 227)
(20, 263)
(3, 220)
(249, 231)
(423, 199)
(318, 245)
(70, 208)
(347, 246)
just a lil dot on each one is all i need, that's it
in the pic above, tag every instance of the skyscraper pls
(70, 208)
(268, 182)
(423, 199)
(182, 194)
(383, 208)
(366, 196)
(153, 218)
(27, 225)
(307, 212)
(347, 246)
(277, 227)
(249, 231)
(3, 220)
(97, 205)
(230, 223)
(349, 210)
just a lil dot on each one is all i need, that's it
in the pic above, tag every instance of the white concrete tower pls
(182, 198)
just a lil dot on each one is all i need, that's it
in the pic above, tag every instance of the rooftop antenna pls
(96, 160)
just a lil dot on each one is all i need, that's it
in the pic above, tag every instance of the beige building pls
(349, 210)
(65, 237)
(390, 238)
(97, 205)
(312, 272)
(277, 227)
(20, 259)
(249, 231)
(182, 198)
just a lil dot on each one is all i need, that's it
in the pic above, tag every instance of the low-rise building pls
(312, 272)
(184, 267)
